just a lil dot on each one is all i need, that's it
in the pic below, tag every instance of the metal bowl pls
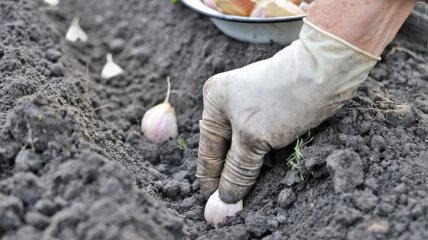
(283, 30)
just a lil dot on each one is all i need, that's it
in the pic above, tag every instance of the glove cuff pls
(371, 56)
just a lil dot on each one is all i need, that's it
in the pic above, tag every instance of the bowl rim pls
(200, 7)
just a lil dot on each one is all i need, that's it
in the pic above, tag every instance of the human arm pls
(268, 104)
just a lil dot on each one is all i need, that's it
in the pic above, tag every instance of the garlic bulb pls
(75, 33)
(111, 69)
(275, 8)
(160, 123)
(216, 210)
(52, 2)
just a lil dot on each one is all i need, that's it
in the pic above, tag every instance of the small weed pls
(182, 143)
(173, 1)
(295, 160)
(40, 117)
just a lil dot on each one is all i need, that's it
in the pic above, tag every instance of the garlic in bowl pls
(253, 29)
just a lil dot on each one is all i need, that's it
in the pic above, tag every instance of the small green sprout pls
(182, 143)
(40, 117)
(295, 160)
(173, 1)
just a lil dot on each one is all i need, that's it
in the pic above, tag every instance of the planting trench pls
(75, 165)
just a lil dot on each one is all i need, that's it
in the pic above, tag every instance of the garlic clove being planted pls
(111, 69)
(160, 123)
(216, 211)
(75, 33)
(52, 3)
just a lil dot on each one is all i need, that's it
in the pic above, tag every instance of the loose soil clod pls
(73, 168)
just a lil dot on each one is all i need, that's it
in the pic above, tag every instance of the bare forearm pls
(368, 24)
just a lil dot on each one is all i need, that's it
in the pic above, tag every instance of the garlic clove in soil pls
(75, 33)
(111, 69)
(276, 8)
(52, 3)
(160, 123)
(216, 210)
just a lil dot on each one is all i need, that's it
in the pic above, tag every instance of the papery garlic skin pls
(159, 122)
(111, 69)
(75, 33)
(216, 211)
(52, 3)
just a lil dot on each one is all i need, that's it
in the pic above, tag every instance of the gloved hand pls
(268, 104)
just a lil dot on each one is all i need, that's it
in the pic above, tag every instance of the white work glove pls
(268, 104)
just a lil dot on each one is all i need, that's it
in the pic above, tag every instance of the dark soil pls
(75, 165)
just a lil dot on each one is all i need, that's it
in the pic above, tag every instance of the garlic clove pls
(305, 5)
(52, 3)
(258, 12)
(235, 7)
(216, 211)
(75, 33)
(278, 8)
(111, 69)
(210, 3)
(160, 122)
